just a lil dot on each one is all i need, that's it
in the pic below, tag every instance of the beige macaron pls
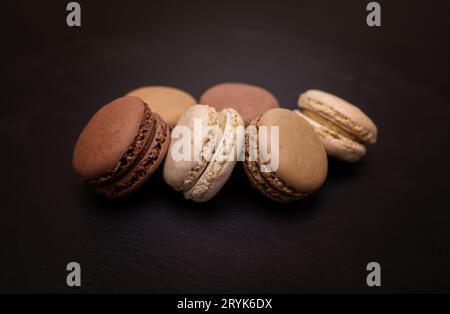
(300, 166)
(168, 102)
(205, 148)
(343, 128)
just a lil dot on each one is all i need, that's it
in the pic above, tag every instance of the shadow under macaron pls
(237, 195)
(153, 194)
(139, 199)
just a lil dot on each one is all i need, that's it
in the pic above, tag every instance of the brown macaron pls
(248, 100)
(120, 147)
(302, 162)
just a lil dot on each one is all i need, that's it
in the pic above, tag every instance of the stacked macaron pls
(126, 141)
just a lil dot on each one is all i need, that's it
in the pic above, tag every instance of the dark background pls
(391, 207)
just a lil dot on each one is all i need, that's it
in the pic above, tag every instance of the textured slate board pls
(390, 208)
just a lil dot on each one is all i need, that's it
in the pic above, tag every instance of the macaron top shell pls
(341, 113)
(182, 174)
(168, 102)
(302, 158)
(248, 100)
(107, 137)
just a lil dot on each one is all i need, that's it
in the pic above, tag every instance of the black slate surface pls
(391, 207)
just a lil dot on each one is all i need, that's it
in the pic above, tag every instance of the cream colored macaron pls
(343, 128)
(168, 102)
(201, 171)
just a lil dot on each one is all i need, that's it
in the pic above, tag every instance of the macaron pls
(168, 102)
(120, 147)
(204, 150)
(343, 128)
(248, 100)
(302, 161)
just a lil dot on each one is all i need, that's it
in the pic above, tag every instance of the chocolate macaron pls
(120, 147)
(248, 100)
(301, 166)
